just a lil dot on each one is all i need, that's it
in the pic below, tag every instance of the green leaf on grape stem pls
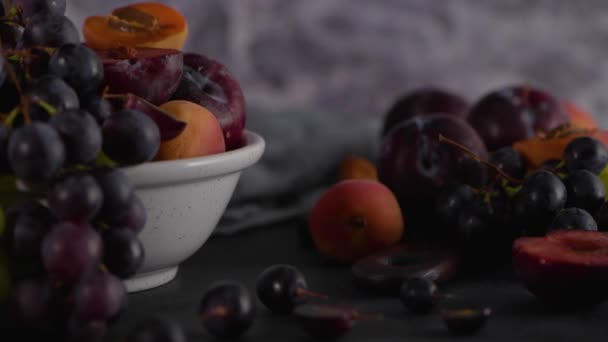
(48, 107)
(12, 116)
(104, 160)
(604, 177)
(511, 190)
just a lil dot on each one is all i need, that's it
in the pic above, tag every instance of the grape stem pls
(474, 156)
(23, 103)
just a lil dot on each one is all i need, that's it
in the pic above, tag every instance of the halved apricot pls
(538, 150)
(143, 24)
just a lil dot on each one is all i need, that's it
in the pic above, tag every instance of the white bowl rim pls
(171, 171)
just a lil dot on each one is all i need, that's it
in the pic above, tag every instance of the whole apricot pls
(357, 168)
(202, 136)
(355, 218)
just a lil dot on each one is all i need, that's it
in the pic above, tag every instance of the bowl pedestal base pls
(149, 280)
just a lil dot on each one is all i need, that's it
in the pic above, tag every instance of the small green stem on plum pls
(473, 156)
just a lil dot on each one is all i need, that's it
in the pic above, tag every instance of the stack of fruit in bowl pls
(82, 126)
(517, 176)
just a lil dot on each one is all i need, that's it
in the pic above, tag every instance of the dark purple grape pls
(586, 153)
(79, 66)
(76, 197)
(473, 223)
(31, 302)
(70, 252)
(169, 126)
(31, 7)
(10, 94)
(124, 253)
(325, 322)
(54, 92)
(542, 196)
(507, 115)
(36, 152)
(81, 135)
(99, 298)
(227, 310)
(451, 200)
(130, 137)
(11, 34)
(419, 295)
(585, 190)
(117, 190)
(281, 288)
(509, 161)
(27, 235)
(99, 107)
(573, 218)
(157, 329)
(50, 30)
(132, 217)
(424, 101)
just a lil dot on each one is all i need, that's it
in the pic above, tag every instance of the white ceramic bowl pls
(184, 200)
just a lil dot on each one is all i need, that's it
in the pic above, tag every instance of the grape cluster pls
(562, 194)
(71, 216)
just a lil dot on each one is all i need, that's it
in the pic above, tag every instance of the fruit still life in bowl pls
(118, 156)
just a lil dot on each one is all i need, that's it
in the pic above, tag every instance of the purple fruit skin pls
(415, 165)
(169, 126)
(425, 101)
(154, 74)
(229, 106)
(515, 113)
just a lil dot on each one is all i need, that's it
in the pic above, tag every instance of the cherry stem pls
(474, 156)
(301, 292)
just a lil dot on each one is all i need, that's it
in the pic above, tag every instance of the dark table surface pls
(516, 314)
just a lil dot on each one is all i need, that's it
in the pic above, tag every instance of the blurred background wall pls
(356, 56)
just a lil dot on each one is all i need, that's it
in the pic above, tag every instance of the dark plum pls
(130, 137)
(169, 126)
(416, 164)
(157, 329)
(509, 161)
(586, 153)
(214, 87)
(585, 190)
(515, 113)
(79, 66)
(384, 273)
(75, 197)
(81, 135)
(125, 252)
(465, 322)
(573, 218)
(424, 101)
(542, 196)
(227, 309)
(31, 7)
(36, 152)
(152, 74)
(50, 30)
(419, 295)
(281, 288)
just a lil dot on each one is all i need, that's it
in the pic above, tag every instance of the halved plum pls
(209, 83)
(150, 73)
(566, 268)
